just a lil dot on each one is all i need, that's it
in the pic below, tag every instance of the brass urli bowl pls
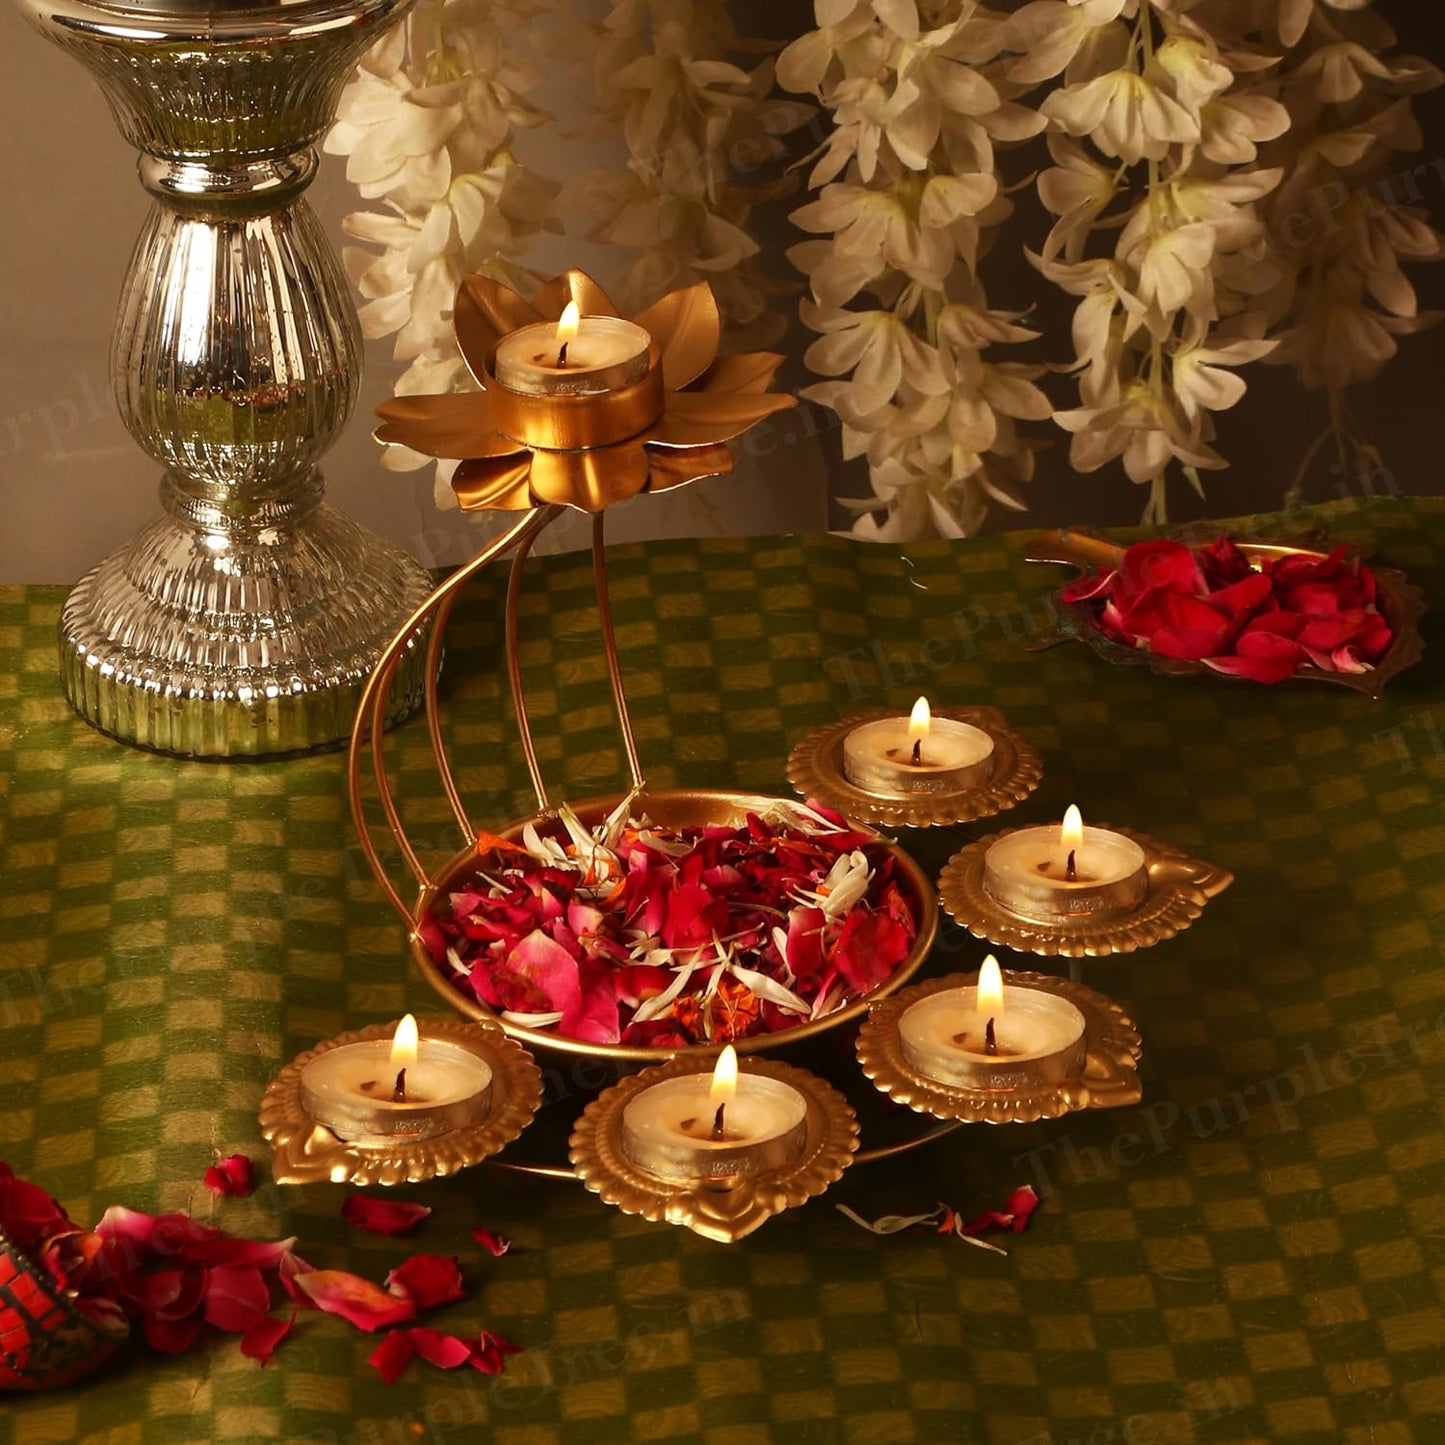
(676, 808)
(1400, 603)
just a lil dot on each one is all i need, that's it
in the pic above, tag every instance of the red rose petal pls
(1242, 598)
(171, 1337)
(382, 1216)
(363, 1304)
(1161, 564)
(392, 1355)
(260, 1340)
(1262, 657)
(489, 1354)
(236, 1298)
(495, 1244)
(447, 1352)
(232, 1177)
(427, 1280)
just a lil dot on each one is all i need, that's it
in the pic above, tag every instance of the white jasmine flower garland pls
(907, 201)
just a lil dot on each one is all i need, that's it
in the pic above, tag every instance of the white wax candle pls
(606, 354)
(350, 1090)
(1028, 872)
(667, 1128)
(1039, 1038)
(952, 757)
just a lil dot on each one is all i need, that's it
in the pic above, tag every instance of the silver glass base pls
(223, 644)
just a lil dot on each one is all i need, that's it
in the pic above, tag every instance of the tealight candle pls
(921, 754)
(406, 1087)
(581, 355)
(1070, 873)
(983, 1037)
(701, 1127)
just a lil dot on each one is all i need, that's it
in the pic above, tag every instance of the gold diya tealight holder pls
(1154, 901)
(318, 1132)
(726, 1197)
(819, 769)
(1098, 1069)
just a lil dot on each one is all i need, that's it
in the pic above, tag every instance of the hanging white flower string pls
(427, 126)
(908, 201)
(696, 125)
(1345, 216)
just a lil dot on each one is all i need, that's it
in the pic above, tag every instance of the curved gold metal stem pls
(371, 713)
(609, 644)
(888, 1151)
(514, 659)
(434, 720)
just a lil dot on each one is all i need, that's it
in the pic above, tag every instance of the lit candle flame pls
(568, 324)
(1071, 835)
(990, 989)
(724, 1078)
(404, 1044)
(920, 722)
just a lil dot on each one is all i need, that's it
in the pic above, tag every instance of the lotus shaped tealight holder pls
(661, 427)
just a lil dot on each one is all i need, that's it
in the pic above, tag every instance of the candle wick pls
(990, 1039)
(1071, 870)
(562, 353)
(717, 1122)
(398, 1094)
(918, 752)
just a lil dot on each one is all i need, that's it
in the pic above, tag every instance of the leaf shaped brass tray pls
(1400, 602)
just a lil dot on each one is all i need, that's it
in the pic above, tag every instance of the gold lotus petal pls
(500, 483)
(750, 371)
(484, 312)
(700, 418)
(676, 466)
(590, 481)
(573, 285)
(686, 325)
(458, 425)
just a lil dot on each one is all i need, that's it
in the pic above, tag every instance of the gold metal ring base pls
(722, 1214)
(1179, 887)
(815, 769)
(1109, 1081)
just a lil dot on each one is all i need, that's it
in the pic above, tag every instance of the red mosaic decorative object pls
(44, 1340)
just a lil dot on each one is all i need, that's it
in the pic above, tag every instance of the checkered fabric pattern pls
(1255, 1253)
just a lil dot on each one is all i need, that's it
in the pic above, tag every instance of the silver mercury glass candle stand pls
(247, 617)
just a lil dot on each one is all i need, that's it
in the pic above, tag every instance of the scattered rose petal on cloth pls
(489, 1354)
(261, 1339)
(232, 1177)
(945, 1220)
(392, 1355)
(495, 1244)
(382, 1216)
(427, 1280)
(359, 1301)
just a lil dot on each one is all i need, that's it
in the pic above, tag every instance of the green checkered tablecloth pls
(1254, 1253)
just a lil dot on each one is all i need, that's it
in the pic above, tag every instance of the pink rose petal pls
(357, 1300)
(447, 1352)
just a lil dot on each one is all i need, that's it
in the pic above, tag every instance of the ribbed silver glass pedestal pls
(246, 618)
